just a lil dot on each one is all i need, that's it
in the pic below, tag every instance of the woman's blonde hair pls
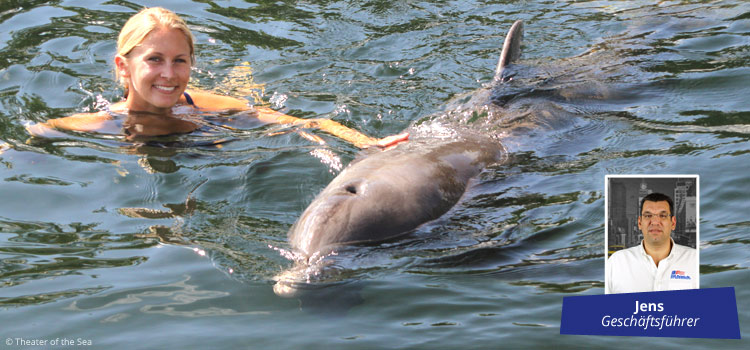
(142, 24)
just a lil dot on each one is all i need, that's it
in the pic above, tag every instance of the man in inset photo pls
(657, 263)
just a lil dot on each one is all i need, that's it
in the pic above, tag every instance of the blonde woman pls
(155, 53)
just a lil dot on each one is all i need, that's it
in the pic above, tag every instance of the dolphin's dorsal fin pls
(511, 48)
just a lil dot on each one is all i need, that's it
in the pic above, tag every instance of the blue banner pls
(694, 313)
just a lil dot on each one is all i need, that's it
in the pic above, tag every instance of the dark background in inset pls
(624, 202)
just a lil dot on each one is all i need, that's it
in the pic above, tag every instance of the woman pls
(155, 54)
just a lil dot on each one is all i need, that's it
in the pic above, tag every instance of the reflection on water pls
(180, 294)
(93, 227)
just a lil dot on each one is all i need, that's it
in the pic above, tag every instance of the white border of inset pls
(655, 176)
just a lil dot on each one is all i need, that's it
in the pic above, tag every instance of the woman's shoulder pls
(78, 122)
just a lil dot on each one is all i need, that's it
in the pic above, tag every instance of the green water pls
(654, 89)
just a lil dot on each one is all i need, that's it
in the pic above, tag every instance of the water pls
(653, 88)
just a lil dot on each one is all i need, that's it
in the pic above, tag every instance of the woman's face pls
(158, 71)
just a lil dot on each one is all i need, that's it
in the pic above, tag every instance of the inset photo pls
(651, 233)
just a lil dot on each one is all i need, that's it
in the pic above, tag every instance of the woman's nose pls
(167, 71)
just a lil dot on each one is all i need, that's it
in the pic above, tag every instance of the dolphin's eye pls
(351, 189)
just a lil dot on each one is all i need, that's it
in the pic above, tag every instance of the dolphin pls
(383, 195)
(386, 194)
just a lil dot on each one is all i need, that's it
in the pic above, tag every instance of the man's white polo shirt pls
(632, 270)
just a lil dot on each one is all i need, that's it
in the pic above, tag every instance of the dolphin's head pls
(367, 202)
(370, 201)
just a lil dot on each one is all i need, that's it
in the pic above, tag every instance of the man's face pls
(656, 229)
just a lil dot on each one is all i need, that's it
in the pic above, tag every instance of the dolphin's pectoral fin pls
(511, 50)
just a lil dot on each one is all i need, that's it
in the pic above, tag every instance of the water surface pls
(647, 89)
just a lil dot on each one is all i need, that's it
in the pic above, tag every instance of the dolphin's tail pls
(511, 49)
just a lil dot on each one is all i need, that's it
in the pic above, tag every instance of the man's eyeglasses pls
(649, 216)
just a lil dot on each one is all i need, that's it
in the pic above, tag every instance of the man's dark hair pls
(658, 197)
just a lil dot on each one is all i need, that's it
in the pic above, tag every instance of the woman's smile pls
(166, 89)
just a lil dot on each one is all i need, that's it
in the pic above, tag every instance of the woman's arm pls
(78, 122)
(207, 101)
(211, 101)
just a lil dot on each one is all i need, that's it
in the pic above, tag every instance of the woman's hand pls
(391, 141)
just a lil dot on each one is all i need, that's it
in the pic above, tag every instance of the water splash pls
(287, 254)
(342, 109)
(303, 274)
(101, 103)
(434, 129)
(330, 159)
(199, 251)
(278, 100)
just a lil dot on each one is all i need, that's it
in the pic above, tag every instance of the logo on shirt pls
(678, 275)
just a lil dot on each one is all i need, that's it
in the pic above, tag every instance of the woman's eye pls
(154, 59)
